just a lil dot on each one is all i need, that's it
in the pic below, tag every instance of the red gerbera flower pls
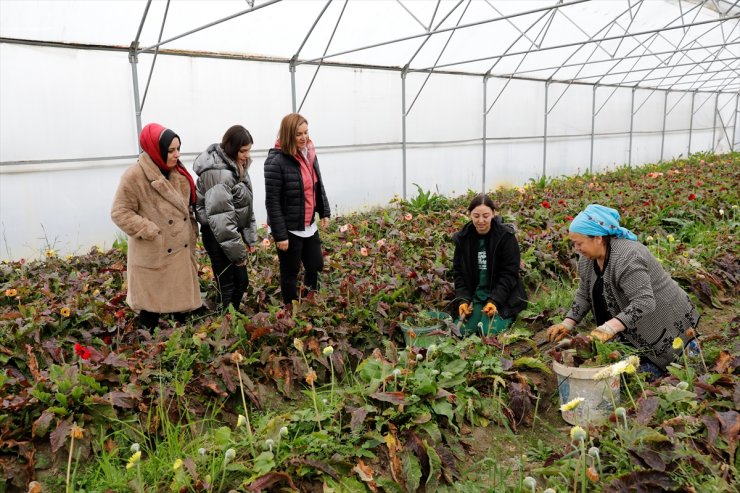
(82, 351)
(699, 183)
(545, 204)
(692, 196)
(569, 217)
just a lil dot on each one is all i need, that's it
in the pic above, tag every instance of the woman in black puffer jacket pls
(294, 193)
(224, 209)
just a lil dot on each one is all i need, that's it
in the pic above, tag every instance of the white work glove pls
(605, 332)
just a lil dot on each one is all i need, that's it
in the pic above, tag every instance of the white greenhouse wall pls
(68, 130)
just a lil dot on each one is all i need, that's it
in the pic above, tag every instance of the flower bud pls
(530, 483)
(578, 434)
(229, 455)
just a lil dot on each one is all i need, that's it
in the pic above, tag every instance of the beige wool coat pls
(154, 212)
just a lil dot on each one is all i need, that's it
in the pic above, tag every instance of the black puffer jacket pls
(507, 290)
(284, 199)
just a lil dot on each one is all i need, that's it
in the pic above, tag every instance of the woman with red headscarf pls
(154, 207)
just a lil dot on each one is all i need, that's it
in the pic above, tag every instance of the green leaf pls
(388, 485)
(425, 382)
(532, 363)
(435, 468)
(411, 471)
(345, 485)
(444, 408)
(264, 463)
(222, 436)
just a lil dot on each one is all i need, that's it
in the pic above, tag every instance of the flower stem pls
(331, 395)
(582, 461)
(315, 405)
(69, 461)
(626, 387)
(246, 411)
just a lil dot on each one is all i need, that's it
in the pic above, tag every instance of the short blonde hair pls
(288, 128)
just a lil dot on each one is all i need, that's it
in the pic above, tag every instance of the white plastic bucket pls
(599, 396)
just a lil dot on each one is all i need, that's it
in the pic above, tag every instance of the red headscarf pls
(149, 140)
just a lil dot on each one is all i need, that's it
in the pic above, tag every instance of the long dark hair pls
(234, 139)
(481, 199)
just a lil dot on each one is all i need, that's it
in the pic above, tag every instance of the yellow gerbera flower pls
(65, 312)
(677, 343)
(572, 404)
(136, 457)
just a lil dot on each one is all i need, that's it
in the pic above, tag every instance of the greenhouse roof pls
(677, 45)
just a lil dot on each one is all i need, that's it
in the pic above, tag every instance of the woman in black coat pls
(294, 193)
(488, 287)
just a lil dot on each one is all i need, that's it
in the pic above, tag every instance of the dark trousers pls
(300, 250)
(232, 279)
(150, 320)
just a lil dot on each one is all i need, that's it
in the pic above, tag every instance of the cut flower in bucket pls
(572, 404)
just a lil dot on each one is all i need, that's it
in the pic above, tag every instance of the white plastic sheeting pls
(67, 112)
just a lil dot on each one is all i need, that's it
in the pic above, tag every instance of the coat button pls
(171, 221)
(186, 245)
(169, 250)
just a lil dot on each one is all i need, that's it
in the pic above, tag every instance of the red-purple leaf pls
(59, 435)
(119, 399)
(269, 480)
(396, 398)
(646, 410)
(41, 425)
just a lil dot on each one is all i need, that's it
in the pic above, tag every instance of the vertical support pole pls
(714, 120)
(632, 124)
(734, 125)
(665, 114)
(691, 121)
(544, 140)
(593, 122)
(133, 58)
(292, 83)
(403, 127)
(485, 134)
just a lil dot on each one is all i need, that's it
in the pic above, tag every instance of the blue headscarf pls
(597, 220)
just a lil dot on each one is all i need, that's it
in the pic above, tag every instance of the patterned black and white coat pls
(638, 291)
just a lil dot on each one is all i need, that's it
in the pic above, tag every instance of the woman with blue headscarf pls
(627, 290)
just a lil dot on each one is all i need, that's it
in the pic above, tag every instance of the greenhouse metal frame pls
(722, 81)
(446, 95)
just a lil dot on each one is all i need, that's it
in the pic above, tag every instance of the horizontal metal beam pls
(687, 64)
(286, 61)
